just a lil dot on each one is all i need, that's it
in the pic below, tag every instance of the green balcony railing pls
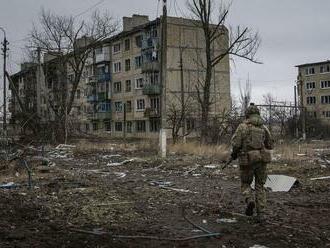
(102, 96)
(152, 89)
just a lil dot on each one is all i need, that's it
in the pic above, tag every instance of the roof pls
(132, 31)
(316, 63)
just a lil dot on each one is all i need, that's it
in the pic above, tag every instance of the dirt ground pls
(119, 192)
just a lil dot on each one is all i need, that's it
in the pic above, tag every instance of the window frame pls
(116, 89)
(114, 50)
(140, 105)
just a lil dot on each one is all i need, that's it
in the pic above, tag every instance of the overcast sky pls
(292, 32)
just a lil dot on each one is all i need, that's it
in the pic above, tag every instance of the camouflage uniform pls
(250, 169)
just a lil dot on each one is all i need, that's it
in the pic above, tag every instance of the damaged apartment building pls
(120, 89)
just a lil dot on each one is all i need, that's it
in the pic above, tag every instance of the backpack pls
(255, 137)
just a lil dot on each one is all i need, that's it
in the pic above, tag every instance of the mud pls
(94, 192)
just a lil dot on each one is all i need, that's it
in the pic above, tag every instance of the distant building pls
(314, 91)
(120, 89)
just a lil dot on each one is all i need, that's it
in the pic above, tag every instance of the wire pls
(179, 8)
(90, 8)
(157, 9)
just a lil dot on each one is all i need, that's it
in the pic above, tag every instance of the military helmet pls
(252, 110)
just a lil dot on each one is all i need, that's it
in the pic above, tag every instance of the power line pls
(90, 8)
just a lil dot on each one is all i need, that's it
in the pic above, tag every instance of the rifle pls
(227, 163)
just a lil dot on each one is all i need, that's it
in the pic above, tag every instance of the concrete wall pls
(318, 107)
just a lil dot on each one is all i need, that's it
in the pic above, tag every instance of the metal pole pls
(303, 109)
(295, 112)
(5, 43)
(124, 134)
(162, 133)
(182, 98)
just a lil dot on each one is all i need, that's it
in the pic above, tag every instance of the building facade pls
(314, 89)
(120, 89)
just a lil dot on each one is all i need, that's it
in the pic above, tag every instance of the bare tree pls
(70, 42)
(177, 114)
(242, 42)
(245, 96)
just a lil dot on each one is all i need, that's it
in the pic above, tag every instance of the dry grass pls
(86, 146)
(298, 151)
(220, 152)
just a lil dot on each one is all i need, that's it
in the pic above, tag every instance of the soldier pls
(251, 144)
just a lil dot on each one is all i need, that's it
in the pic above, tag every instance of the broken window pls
(128, 85)
(139, 83)
(154, 125)
(138, 41)
(118, 126)
(127, 44)
(140, 105)
(127, 64)
(116, 48)
(117, 87)
(129, 126)
(140, 126)
(138, 62)
(118, 107)
(311, 99)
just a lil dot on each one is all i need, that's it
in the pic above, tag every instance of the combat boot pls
(250, 208)
(261, 217)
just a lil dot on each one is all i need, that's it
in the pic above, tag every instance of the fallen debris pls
(178, 190)
(278, 183)
(62, 151)
(167, 185)
(9, 185)
(120, 174)
(162, 183)
(121, 163)
(99, 232)
(320, 178)
(226, 220)
(111, 156)
(211, 166)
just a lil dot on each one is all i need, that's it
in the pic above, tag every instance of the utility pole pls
(162, 133)
(4, 50)
(183, 111)
(295, 112)
(302, 107)
(124, 134)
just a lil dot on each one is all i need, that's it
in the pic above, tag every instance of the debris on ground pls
(162, 183)
(226, 220)
(62, 151)
(278, 183)
(9, 185)
(320, 178)
(144, 198)
(121, 163)
(211, 166)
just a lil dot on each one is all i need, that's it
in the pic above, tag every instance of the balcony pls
(152, 89)
(92, 79)
(150, 66)
(151, 113)
(105, 56)
(99, 116)
(92, 98)
(103, 115)
(104, 77)
(103, 96)
(150, 43)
